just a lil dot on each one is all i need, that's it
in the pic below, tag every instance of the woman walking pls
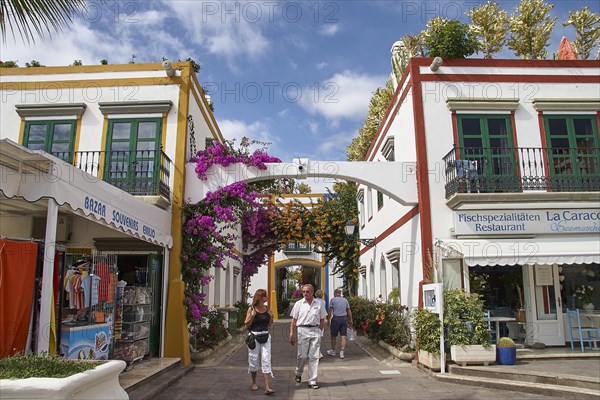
(259, 319)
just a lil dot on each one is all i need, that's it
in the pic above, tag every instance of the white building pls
(508, 183)
(93, 164)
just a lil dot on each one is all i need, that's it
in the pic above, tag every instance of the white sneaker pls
(331, 352)
(342, 354)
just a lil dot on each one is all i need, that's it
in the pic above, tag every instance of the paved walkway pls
(359, 376)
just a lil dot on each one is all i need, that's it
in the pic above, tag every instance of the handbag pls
(251, 341)
(262, 339)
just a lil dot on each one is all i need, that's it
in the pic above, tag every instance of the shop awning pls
(566, 250)
(33, 175)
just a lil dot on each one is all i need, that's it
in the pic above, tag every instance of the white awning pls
(33, 175)
(564, 250)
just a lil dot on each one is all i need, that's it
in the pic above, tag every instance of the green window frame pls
(573, 150)
(133, 149)
(379, 200)
(56, 137)
(488, 140)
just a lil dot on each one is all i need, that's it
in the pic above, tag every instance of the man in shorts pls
(340, 317)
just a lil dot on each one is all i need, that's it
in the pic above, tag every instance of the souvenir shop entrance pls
(111, 307)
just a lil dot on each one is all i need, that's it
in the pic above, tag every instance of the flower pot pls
(473, 354)
(506, 355)
(101, 382)
(520, 315)
(588, 307)
(430, 360)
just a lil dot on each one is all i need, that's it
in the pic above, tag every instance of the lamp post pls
(349, 228)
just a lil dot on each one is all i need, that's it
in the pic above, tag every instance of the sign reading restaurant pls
(517, 222)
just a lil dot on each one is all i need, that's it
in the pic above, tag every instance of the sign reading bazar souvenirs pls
(516, 222)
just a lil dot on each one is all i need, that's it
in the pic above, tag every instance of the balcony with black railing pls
(518, 169)
(140, 173)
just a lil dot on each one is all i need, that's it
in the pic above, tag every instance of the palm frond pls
(35, 18)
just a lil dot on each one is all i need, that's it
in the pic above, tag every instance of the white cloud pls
(313, 126)
(296, 41)
(222, 28)
(345, 95)
(257, 130)
(96, 36)
(283, 112)
(322, 65)
(329, 29)
(335, 145)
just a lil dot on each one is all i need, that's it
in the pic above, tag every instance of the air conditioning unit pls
(63, 228)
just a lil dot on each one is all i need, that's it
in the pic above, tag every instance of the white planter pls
(473, 354)
(101, 382)
(430, 360)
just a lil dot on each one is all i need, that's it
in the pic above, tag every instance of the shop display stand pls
(86, 325)
(133, 340)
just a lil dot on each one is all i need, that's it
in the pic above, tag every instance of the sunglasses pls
(306, 291)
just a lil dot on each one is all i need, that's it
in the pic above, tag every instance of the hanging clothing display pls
(17, 269)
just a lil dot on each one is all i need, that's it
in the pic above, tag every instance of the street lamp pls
(349, 228)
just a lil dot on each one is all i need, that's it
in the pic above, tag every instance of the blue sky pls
(298, 74)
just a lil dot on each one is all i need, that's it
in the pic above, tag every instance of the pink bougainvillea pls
(207, 231)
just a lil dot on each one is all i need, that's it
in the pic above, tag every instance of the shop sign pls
(523, 222)
(117, 217)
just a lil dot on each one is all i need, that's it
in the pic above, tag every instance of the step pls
(150, 388)
(512, 374)
(563, 392)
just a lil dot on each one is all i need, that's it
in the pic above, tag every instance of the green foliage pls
(77, 63)
(104, 61)
(34, 63)
(409, 46)
(31, 18)
(449, 39)
(530, 29)
(464, 321)
(31, 365)
(490, 25)
(8, 64)
(357, 150)
(211, 332)
(242, 307)
(394, 296)
(427, 329)
(505, 342)
(388, 322)
(587, 31)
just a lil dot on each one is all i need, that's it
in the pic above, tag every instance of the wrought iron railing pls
(502, 170)
(140, 173)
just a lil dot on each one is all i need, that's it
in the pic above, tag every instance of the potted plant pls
(45, 377)
(506, 351)
(466, 328)
(427, 330)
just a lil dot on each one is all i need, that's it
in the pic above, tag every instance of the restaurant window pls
(573, 151)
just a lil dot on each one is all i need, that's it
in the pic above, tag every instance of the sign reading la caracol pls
(499, 222)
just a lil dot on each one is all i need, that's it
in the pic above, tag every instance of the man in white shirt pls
(308, 318)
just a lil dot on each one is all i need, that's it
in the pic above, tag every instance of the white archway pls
(395, 179)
